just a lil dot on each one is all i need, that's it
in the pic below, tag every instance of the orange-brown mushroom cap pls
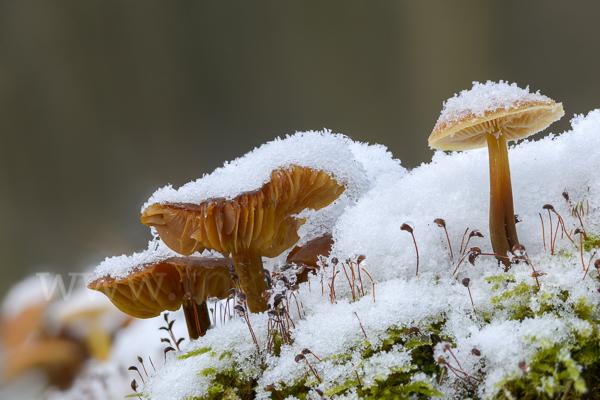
(469, 130)
(60, 359)
(262, 219)
(310, 253)
(153, 288)
(251, 225)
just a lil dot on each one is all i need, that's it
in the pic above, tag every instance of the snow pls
(486, 97)
(121, 266)
(318, 150)
(383, 195)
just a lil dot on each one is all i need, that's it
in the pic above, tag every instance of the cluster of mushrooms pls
(264, 222)
(244, 229)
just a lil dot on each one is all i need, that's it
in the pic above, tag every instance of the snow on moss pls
(367, 337)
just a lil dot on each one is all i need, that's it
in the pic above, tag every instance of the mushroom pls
(27, 344)
(151, 288)
(248, 226)
(309, 254)
(58, 358)
(492, 114)
(92, 321)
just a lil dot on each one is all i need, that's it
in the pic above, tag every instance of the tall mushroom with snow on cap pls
(148, 283)
(492, 114)
(247, 209)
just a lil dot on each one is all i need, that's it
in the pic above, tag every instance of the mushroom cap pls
(59, 358)
(16, 330)
(309, 253)
(263, 218)
(153, 288)
(489, 108)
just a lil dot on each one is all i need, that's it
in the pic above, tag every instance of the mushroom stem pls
(503, 230)
(196, 316)
(248, 266)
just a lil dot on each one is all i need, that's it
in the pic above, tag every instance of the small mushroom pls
(59, 359)
(490, 115)
(151, 288)
(248, 226)
(309, 254)
(90, 321)
(25, 342)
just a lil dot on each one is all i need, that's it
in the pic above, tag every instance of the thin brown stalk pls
(349, 283)
(589, 265)
(372, 282)
(562, 222)
(551, 242)
(361, 326)
(581, 250)
(357, 377)
(252, 333)
(463, 240)
(460, 262)
(362, 288)
(543, 231)
(332, 287)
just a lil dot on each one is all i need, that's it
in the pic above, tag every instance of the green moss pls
(299, 390)
(193, 353)
(500, 278)
(229, 384)
(563, 370)
(559, 371)
(520, 289)
(397, 385)
(584, 310)
(591, 242)
(349, 383)
(208, 371)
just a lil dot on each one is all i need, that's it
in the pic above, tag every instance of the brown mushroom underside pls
(249, 226)
(309, 254)
(154, 288)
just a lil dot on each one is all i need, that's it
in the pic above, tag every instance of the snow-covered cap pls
(263, 218)
(150, 289)
(492, 108)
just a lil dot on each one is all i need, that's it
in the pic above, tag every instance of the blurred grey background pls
(103, 102)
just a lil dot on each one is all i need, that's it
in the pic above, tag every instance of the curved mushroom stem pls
(196, 316)
(503, 230)
(248, 266)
